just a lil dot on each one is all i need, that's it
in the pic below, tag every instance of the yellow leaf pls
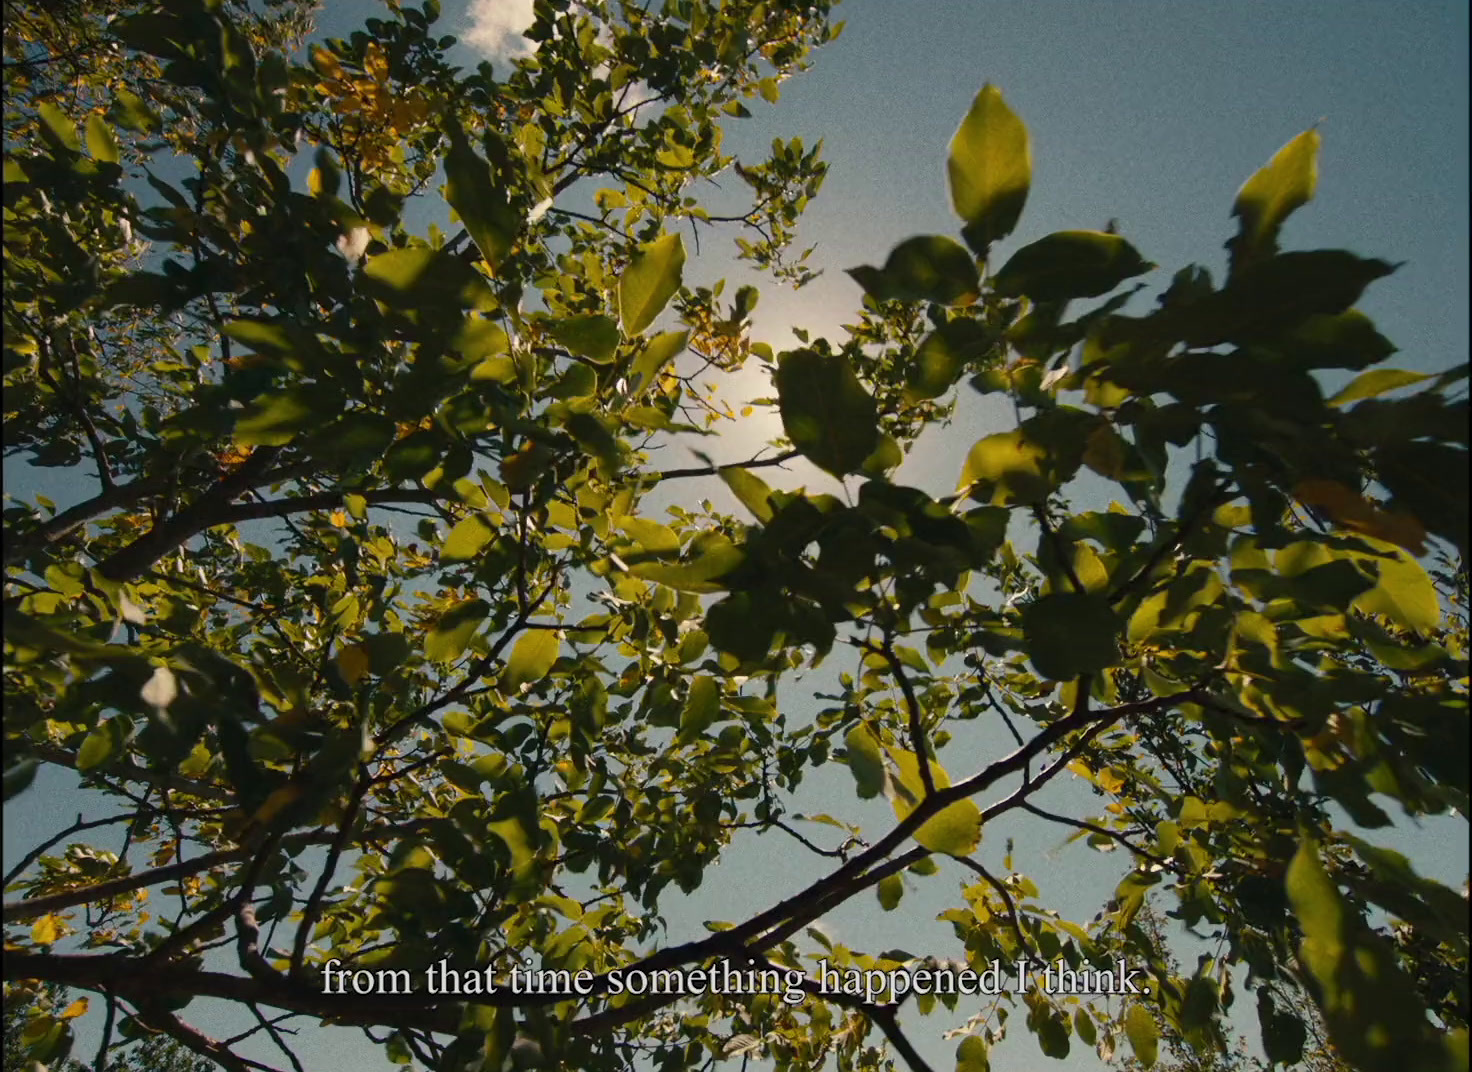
(353, 663)
(75, 1009)
(47, 929)
(326, 63)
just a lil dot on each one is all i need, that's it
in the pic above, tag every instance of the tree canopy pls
(372, 645)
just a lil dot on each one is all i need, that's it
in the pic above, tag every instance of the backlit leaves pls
(532, 657)
(649, 281)
(1006, 468)
(925, 268)
(403, 544)
(1285, 183)
(448, 637)
(1144, 1036)
(825, 410)
(466, 539)
(1368, 1002)
(956, 829)
(990, 169)
(865, 761)
(482, 206)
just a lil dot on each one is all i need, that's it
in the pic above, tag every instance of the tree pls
(383, 660)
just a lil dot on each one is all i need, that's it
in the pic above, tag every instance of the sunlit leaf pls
(450, 634)
(649, 281)
(353, 663)
(1144, 1036)
(956, 829)
(532, 657)
(990, 169)
(1286, 182)
(702, 707)
(865, 761)
(481, 204)
(467, 539)
(594, 337)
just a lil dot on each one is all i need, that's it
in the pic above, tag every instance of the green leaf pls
(1283, 1034)
(1083, 1023)
(481, 205)
(448, 637)
(1425, 480)
(479, 338)
(702, 707)
(990, 170)
(956, 830)
(1144, 1036)
(595, 337)
(657, 353)
(1070, 264)
(1006, 468)
(925, 268)
(826, 412)
(417, 277)
(1376, 382)
(103, 744)
(512, 833)
(889, 891)
(1370, 1005)
(62, 130)
(650, 280)
(884, 458)
(577, 381)
(131, 112)
(270, 337)
(742, 625)
(1285, 291)
(943, 356)
(716, 559)
(466, 539)
(1071, 633)
(972, 1055)
(651, 536)
(1345, 340)
(1403, 592)
(752, 491)
(594, 437)
(275, 419)
(532, 657)
(1265, 200)
(101, 142)
(865, 761)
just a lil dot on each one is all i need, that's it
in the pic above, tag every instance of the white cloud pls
(496, 27)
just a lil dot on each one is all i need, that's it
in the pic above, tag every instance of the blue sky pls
(1149, 112)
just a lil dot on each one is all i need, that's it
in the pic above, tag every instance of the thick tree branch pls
(203, 513)
(19, 547)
